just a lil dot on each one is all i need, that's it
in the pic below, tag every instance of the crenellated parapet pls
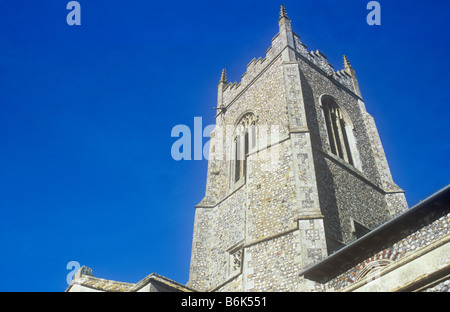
(253, 70)
(287, 39)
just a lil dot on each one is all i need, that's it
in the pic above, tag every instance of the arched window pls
(244, 140)
(338, 129)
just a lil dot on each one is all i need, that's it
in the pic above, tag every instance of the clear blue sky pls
(86, 114)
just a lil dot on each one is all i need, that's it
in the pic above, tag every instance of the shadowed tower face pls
(296, 171)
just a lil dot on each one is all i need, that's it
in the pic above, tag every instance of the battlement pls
(257, 66)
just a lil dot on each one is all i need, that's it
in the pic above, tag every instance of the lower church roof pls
(428, 210)
(155, 283)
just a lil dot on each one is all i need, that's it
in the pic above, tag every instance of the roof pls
(390, 232)
(157, 283)
(100, 284)
(162, 284)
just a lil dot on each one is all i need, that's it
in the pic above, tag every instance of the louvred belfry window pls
(337, 130)
(245, 139)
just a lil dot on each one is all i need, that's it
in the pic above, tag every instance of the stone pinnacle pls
(346, 62)
(223, 77)
(283, 12)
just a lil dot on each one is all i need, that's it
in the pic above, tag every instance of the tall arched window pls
(244, 140)
(338, 129)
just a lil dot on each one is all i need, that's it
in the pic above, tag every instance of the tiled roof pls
(85, 278)
(161, 282)
(102, 284)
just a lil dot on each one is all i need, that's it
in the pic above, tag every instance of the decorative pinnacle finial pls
(283, 12)
(346, 62)
(349, 70)
(223, 77)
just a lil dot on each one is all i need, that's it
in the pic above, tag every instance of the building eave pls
(435, 205)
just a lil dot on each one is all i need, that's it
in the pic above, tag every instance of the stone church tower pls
(296, 171)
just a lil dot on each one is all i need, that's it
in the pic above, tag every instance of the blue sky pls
(86, 114)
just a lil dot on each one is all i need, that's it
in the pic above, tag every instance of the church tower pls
(296, 171)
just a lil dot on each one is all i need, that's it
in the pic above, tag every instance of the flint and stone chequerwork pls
(265, 218)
